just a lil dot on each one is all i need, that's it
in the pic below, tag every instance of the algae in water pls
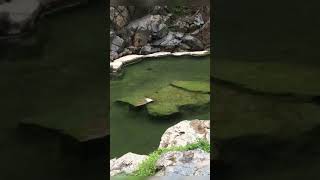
(168, 100)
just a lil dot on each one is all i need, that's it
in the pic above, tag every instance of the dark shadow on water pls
(267, 157)
(80, 159)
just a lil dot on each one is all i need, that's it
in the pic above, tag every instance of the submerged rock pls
(169, 100)
(136, 101)
(185, 132)
(196, 86)
(126, 164)
(186, 163)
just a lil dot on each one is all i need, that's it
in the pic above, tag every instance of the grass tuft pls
(148, 167)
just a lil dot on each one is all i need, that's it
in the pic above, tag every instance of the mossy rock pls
(168, 100)
(270, 77)
(196, 86)
(134, 101)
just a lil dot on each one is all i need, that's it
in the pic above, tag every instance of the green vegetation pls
(168, 100)
(277, 116)
(179, 10)
(148, 168)
(197, 86)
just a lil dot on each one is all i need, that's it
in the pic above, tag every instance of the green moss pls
(148, 167)
(277, 116)
(168, 100)
(196, 86)
(272, 77)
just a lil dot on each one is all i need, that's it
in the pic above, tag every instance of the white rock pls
(148, 100)
(126, 163)
(117, 64)
(185, 163)
(185, 132)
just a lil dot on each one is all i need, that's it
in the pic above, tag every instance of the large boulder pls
(117, 44)
(141, 37)
(147, 28)
(185, 132)
(119, 16)
(126, 164)
(203, 34)
(170, 41)
(185, 163)
(148, 49)
(193, 42)
(189, 23)
(147, 21)
(159, 30)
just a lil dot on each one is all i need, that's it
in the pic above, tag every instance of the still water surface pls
(57, 74)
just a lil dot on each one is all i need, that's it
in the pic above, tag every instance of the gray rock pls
(117, 44)
(125, 52)
(159, 30)
(185, 132)
(193, 42)
(184, 46)
(148, 49)
(159, 10)
(186, 163)
(145, 22)
(119, 16)
(133, 49)
(141, 37)
(168, 42)
(198, 20)
(113, 55)
(179, 35)
(126, 164)
(163, 30)
(178, 178)
(181, 26)
(112, 34)
(154, 24)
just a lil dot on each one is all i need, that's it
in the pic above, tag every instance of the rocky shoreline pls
(194, 162)
(118, 64)
(158, 29)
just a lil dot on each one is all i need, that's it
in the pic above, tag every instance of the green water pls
(262, 133)
(55, 77)
(135, 131)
